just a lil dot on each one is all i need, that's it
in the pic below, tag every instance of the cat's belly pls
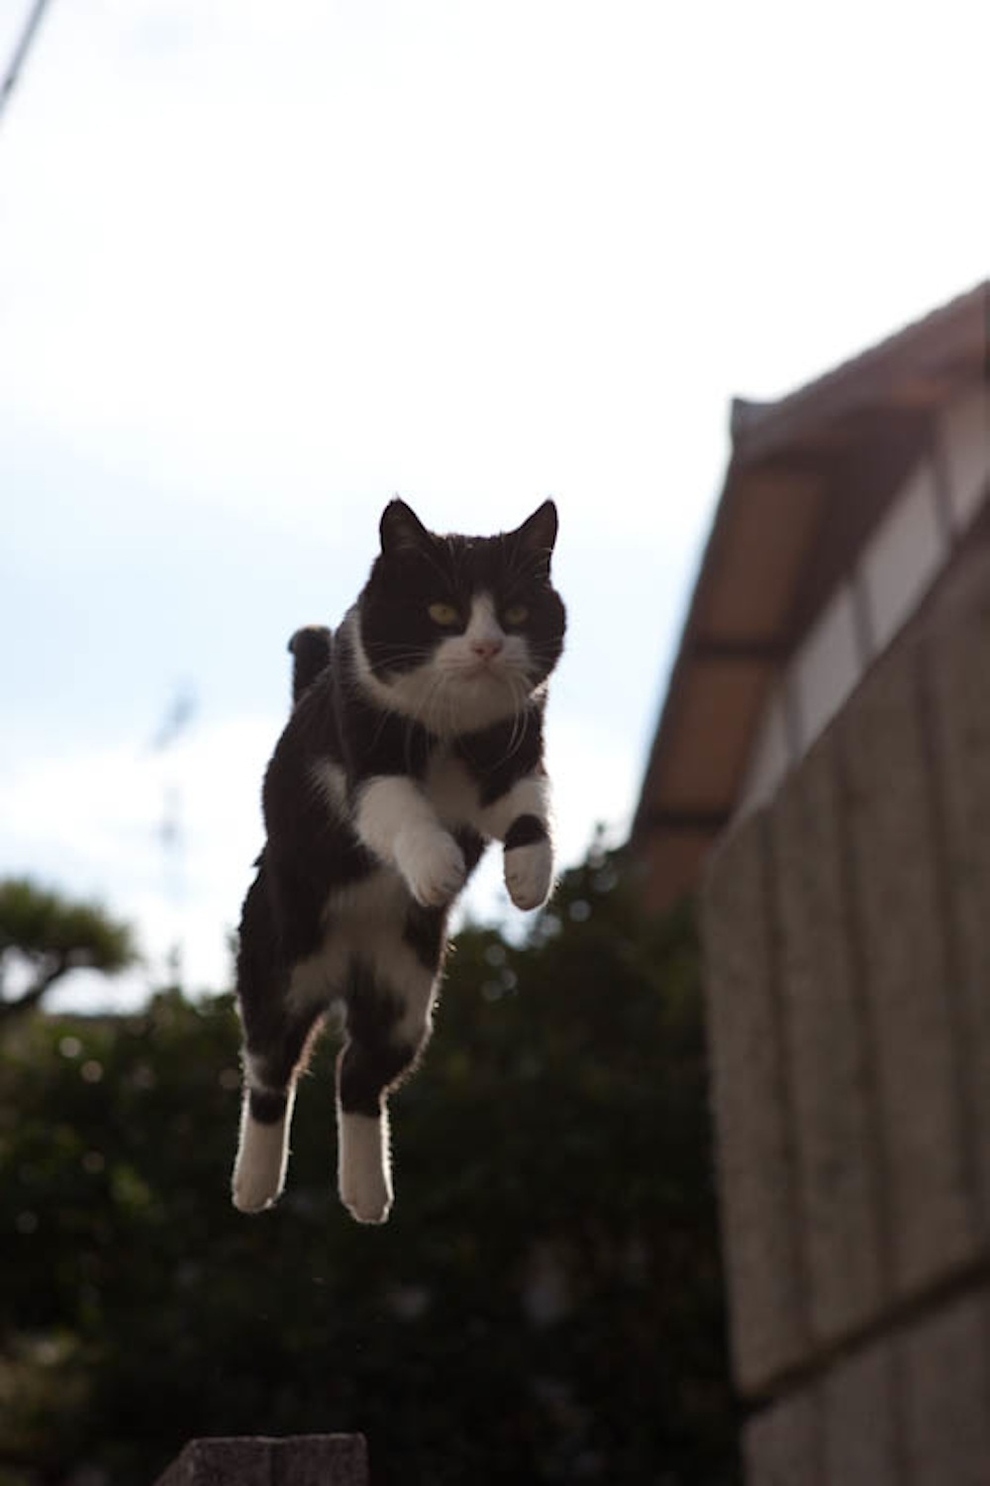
(361, 921)
(357, 911)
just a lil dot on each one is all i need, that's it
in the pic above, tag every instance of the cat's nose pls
(486, 649)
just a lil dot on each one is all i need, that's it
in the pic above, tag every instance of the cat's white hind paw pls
(529, 873)
(367, 1201)
(252, 1194)
(364, 1179)
(433, 865)
(259, 1171)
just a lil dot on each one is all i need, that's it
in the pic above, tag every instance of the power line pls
(20, 52)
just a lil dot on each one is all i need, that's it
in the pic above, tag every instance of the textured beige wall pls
(847, 939)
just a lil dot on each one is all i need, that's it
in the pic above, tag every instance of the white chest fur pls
(411, 825)
(452, 792)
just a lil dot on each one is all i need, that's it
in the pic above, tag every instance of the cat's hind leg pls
(390, 1000)
(263, 1142)
(279, 1013)
(266, 1112)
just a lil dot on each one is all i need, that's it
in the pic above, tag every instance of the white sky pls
(262, 265)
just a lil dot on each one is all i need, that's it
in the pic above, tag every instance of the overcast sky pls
(263, 266)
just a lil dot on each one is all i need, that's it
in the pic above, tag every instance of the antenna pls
(21, 50)
(176, 721)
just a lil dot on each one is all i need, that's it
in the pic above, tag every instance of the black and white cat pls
(416, 737)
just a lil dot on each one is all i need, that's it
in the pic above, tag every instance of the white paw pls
(259, 1172)
(364, 1179)
(529, 873)
(367, 1198)
(432, 863)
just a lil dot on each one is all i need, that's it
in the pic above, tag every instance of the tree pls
(545, 1303)
(44, 935)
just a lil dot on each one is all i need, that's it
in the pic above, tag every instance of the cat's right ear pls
(401, 529)
(538, 533)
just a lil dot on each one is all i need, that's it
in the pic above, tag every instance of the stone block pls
(902, 945)
(956, 651)
(830, 1067)
(947, 1395)
(752, 1111)
(298, 1460)
(782, 1445)
(860, 1420)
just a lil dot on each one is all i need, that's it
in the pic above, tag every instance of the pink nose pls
(486, 649)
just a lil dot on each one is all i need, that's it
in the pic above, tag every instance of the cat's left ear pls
(538, 533)
(401, 529)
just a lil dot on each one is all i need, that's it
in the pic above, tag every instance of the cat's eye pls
(516, 614)
(444, 614)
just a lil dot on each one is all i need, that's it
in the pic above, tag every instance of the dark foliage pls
(44, 935)
(543, 1305)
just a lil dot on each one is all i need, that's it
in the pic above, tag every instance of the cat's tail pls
(310, 648)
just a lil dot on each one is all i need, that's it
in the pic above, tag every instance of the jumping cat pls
(416, 737)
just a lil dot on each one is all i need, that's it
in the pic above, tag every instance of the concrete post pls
(299, 1460)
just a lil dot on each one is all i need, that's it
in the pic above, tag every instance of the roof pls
(808, 479)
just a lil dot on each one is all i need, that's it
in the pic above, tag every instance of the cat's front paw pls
(433, 865)
(529, 873)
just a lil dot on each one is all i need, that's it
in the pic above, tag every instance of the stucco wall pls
(847, 936)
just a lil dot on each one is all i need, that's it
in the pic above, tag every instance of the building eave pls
(808, 477)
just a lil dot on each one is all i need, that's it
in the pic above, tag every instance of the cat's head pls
(460, 632)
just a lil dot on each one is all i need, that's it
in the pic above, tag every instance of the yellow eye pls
(444, 614)
(516, 614)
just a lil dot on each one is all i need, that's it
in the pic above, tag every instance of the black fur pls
(448, 711)
(525, 829)
(310, 649)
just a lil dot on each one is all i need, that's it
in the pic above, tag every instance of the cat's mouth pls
(484, 670)
(488, 682)
(488, 672)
